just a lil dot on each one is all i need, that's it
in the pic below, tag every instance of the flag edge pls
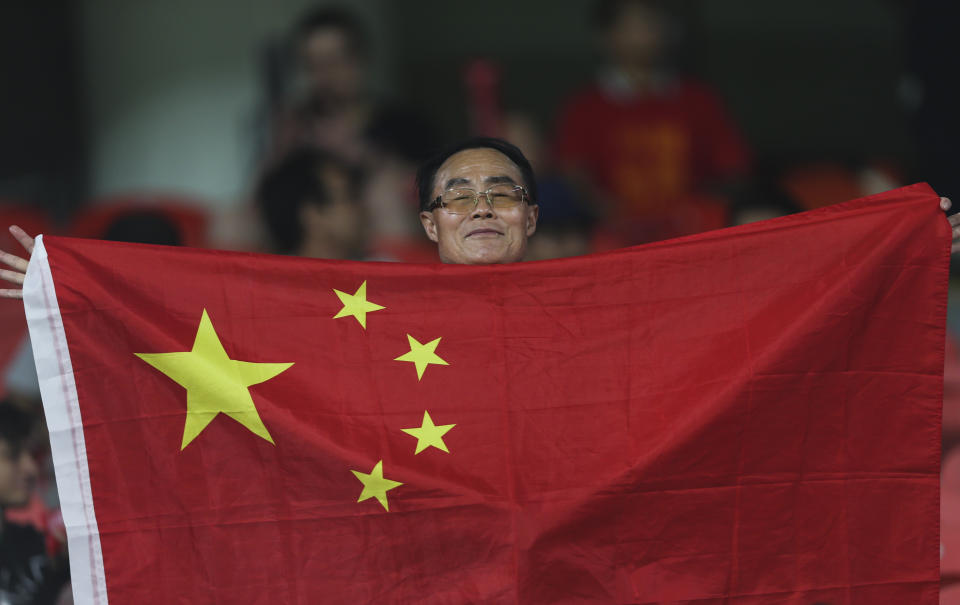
(58, 391)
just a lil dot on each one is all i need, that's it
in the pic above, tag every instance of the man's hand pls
(19, 265)
(954, 224)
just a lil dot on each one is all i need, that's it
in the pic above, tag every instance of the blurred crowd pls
(640, 153)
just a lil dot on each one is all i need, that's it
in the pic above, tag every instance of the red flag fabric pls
(744, 416)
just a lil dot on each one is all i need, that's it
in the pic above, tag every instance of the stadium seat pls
(188, 214)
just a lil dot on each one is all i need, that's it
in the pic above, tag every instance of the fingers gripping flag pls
(739, 417)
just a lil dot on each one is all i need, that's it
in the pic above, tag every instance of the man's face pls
(18, 473)
(340, 221)
(487, 235)
(332, 68)
(637, 36)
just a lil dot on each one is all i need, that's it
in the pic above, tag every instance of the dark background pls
(818, 79)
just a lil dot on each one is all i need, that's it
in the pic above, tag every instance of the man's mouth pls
(484, 231)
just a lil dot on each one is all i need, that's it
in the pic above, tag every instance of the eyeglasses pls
(465, 201)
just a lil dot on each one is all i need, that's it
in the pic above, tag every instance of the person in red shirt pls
(646, 143)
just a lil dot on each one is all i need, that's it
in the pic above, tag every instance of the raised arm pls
(18, 266)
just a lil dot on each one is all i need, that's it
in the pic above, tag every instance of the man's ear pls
(533, 212)
(430, 226)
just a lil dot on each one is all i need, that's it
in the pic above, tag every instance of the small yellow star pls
(356, 304)
(429, 434)
(214, 382)
(375, 486)
(422, 355)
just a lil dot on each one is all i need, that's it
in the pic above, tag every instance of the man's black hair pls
(297, 180)
(15, 426)
(428, 170)
(607, 12)
(336, 18)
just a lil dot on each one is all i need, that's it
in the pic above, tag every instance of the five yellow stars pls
(375, 486)
(422, 355)
(356, 304)
(429, 434)
(214, 382)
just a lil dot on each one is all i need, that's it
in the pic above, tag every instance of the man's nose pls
(483, 208)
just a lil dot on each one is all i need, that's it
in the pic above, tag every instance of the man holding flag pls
(744, 416)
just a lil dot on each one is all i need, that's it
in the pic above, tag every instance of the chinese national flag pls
(739, 417)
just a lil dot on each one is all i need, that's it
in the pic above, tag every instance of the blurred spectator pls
(334, 109)
(336, 112)
(28, 574)
(565, 225)
(561, 233)
(653, 147)
(309, 203)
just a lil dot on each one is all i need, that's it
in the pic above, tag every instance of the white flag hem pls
(61, 406)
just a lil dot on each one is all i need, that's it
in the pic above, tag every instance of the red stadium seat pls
(31, 219)
(188, 214)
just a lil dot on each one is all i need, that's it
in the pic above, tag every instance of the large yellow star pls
(214, 382)
(422, 355)
(356, 304)
(429, 434)
(375, 486)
